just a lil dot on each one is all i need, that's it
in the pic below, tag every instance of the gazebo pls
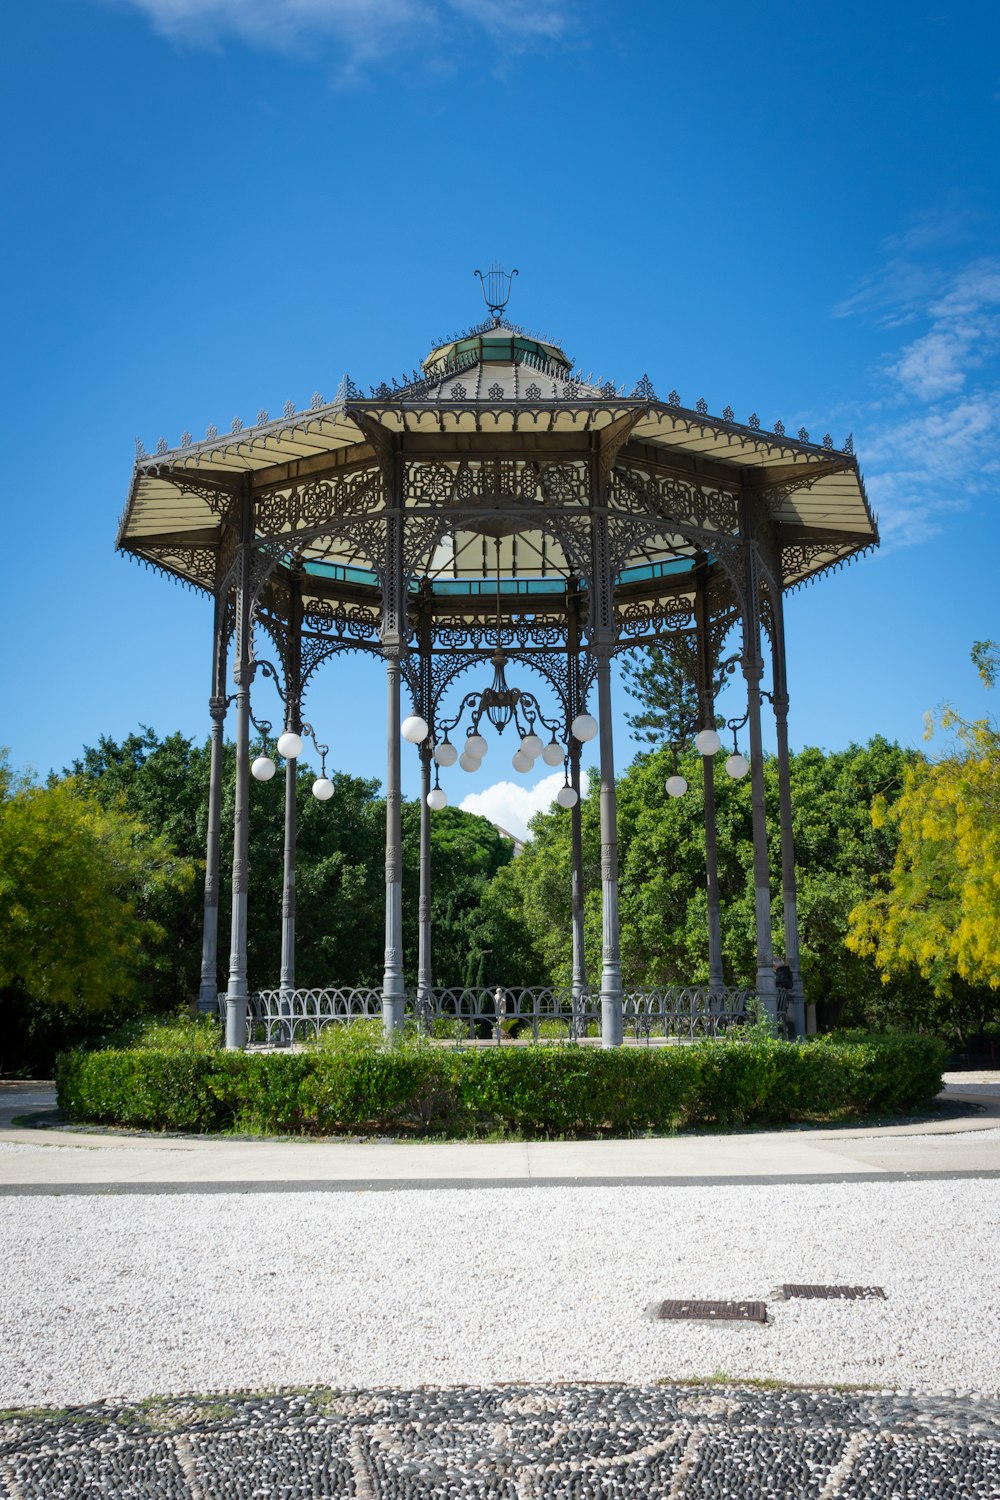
(496, 509)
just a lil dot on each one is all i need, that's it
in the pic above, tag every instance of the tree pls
(664, 680)
(76, 882)
(466, 853)
(936, 912)
(663, 909)
(339, 870)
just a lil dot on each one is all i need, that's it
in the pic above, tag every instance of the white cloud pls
(963, 333)
(366, 29)
(931, 447)
(511, 805)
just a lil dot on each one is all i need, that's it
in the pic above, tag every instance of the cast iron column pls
(803, 1023)
(706, 694)
(576, 890)
(393, 648)
(612, 1021)
(575, 706)
(425, 707)
(602, 642)
(208, 993)
(293, 725)
(243, 672)
(753, 669)
(424, 911)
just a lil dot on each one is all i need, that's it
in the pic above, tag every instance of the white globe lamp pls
(414, 729)
(676, 786)
(322, 789)
(476, 745)
(737, 766)
(262, 768)
(567, 797)
(290, 745)
(532, 745)
(468, 762)
(583, 727)
(437, 799)
(707, 742)
(554, 754)
(521, 762)
(445, 753)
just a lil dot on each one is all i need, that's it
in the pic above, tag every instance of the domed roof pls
(495, 342)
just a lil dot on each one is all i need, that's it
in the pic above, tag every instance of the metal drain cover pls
(715, 1312)
(847, 1293)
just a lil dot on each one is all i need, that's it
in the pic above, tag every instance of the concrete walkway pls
(81, 1161)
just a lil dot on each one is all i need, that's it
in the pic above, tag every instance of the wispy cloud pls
(931, 444)
(963, 334)
(364, 30)
(512, 806)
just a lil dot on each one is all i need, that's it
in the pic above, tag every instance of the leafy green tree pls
(77, 883)
(73, 878)
(663, 906)
(339, 870)
(466, 852)
(936, 911)
(339, 865)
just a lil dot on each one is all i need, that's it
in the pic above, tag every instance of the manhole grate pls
(847, 1293)
(715, 1312)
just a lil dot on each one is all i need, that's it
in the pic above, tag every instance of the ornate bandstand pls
(496, 510)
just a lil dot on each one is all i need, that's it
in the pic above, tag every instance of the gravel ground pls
(139, 1295)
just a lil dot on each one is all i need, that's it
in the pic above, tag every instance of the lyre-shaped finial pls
(496, 289)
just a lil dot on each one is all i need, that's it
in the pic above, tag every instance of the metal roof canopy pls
(496, 444)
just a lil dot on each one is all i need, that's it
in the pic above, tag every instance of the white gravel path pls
(139, 1295)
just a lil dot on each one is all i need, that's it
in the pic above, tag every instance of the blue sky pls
(217, 205)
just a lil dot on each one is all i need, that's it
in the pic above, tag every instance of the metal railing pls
(545, 1013)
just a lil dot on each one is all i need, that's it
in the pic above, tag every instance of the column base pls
(767, 990)
(208, 998)
(236, 1023)
(612, 1021)
(393, 1014)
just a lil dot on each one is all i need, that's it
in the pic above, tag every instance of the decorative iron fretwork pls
(315, 507)
(194, 566)
(360, 623)
(799, 557)
(681, 502)
(475, 483)
(647, 618)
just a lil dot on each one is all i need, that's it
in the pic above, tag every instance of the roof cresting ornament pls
(496, 286)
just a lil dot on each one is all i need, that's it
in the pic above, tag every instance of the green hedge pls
(534, 1091)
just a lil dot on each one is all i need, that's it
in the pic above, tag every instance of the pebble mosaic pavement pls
(574, 1442)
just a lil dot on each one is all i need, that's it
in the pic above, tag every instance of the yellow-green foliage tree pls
(75, 879)
(939, 910)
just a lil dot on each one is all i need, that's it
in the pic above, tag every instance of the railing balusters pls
(678, 1011)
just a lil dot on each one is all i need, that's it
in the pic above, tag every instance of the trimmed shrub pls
(540, 1091)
